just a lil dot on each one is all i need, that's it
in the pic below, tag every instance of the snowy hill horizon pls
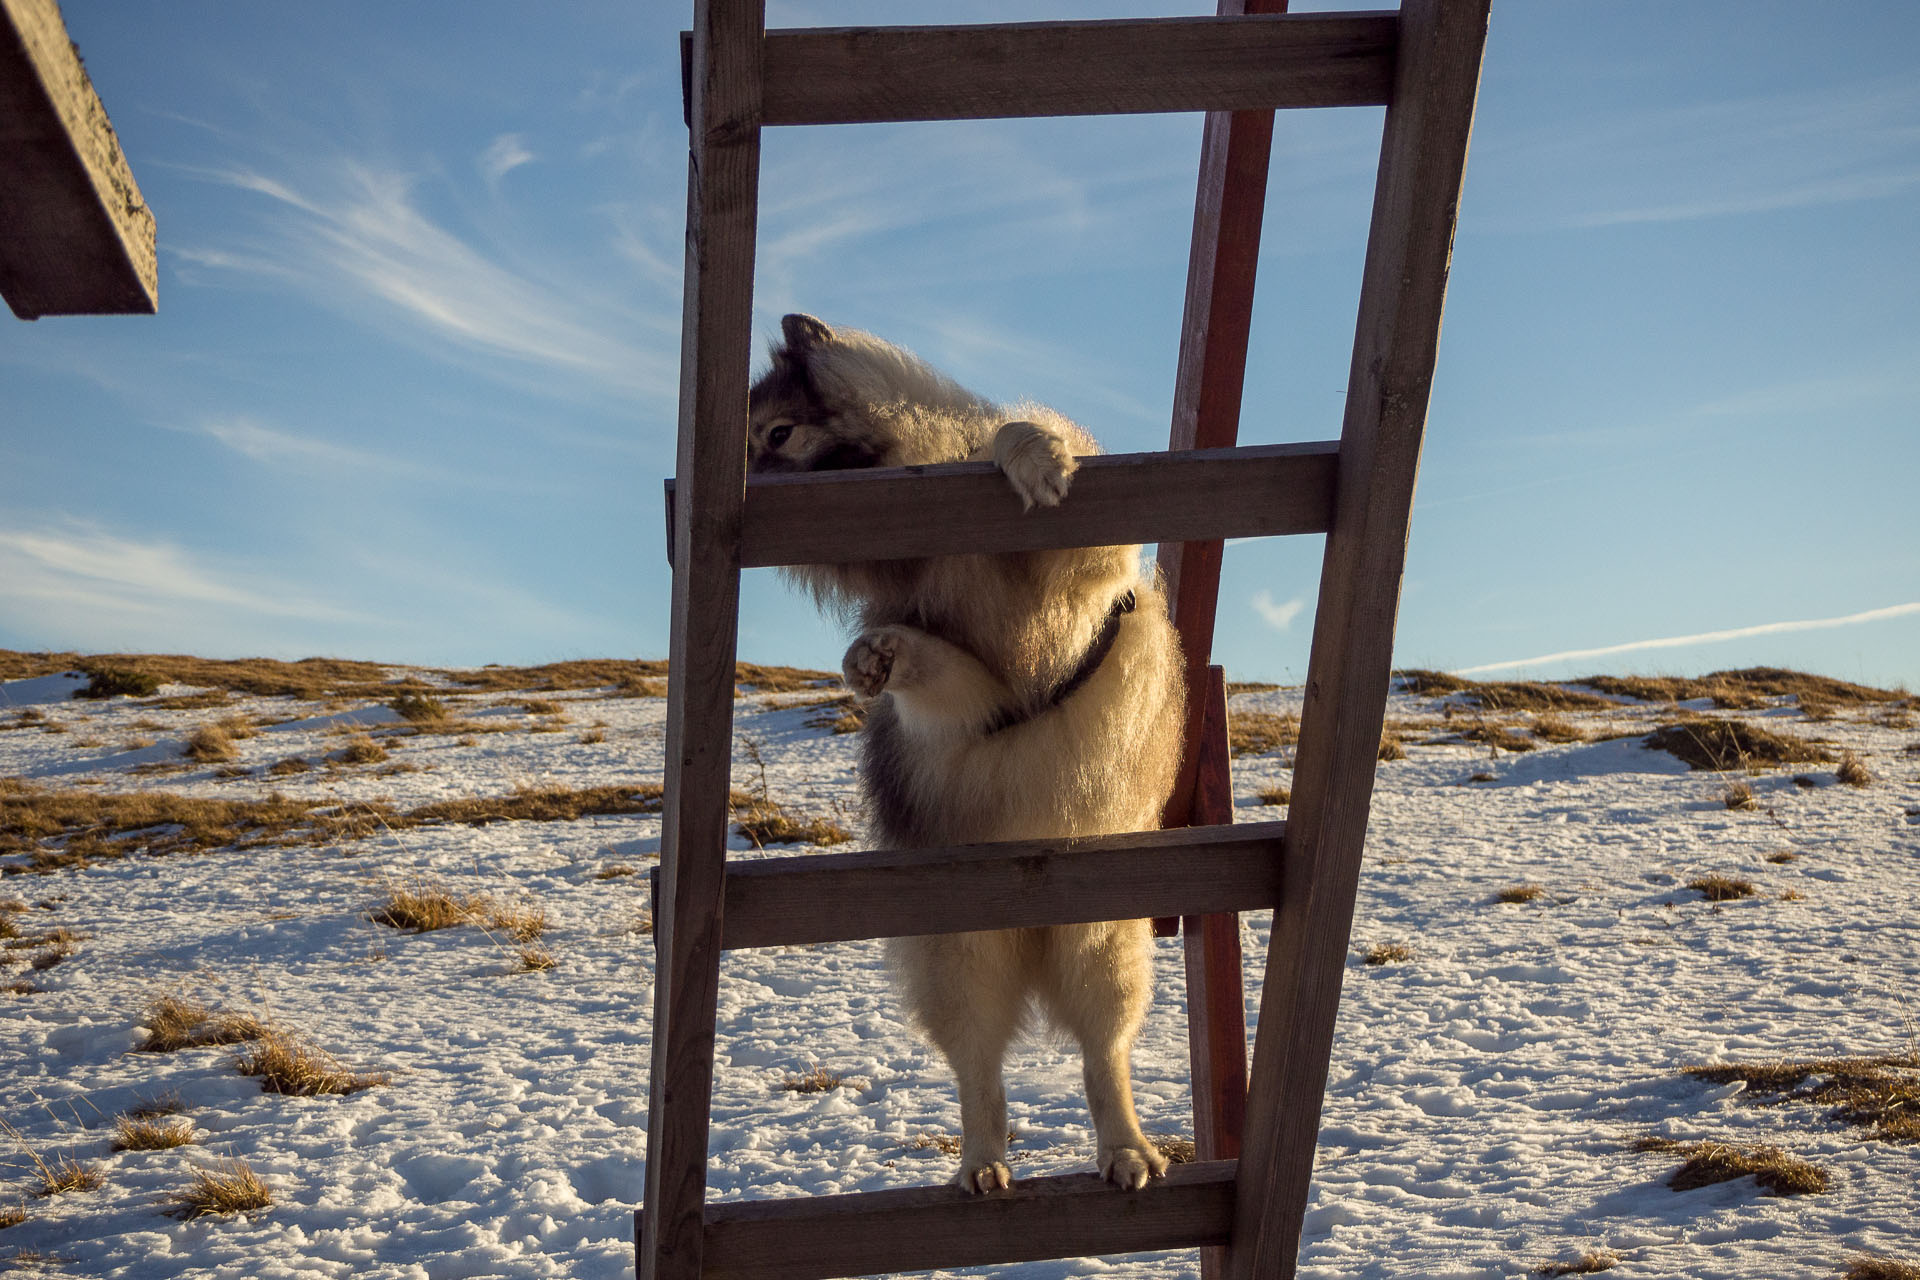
(379, 935)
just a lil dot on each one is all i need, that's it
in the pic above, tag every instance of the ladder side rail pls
(871, 75)
(723, 205)
(1403, 289)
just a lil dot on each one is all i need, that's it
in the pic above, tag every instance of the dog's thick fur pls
(968, 738)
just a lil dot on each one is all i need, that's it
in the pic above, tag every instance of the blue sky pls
(411, 391)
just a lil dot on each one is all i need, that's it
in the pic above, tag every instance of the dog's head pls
(800, 413)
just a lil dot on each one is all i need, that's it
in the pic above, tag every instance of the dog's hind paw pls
(1131, 1167)
(982, 1177)
(1036, 462)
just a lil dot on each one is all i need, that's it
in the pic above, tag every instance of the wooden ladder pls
(1242, 1202)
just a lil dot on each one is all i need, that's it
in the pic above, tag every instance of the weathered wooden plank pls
(1403, 289)
(923, 1227)
(1228, 207)
(896, 893)
(716, 356)
(872, 74)
(75, 235)
(1216, 997)
(827, 517)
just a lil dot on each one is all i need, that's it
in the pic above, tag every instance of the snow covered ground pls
(1482, 1098)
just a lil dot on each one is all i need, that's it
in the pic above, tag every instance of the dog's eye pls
(778, 436)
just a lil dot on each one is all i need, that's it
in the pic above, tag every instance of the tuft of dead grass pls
(210, 744)
(1707, 1163)
(230, 1186)
(1731, 744)
(614, 871)
(175, 1022)
(12, 1215)
(1740, 796)
(132, 1133)
(290, 766)
(1498, 736)
(1853, 771)
(1277, 794)
(1177, 1148)
(1869, 1268)
(1501, 695)
(1741, 688)
(1881, 1094)
(1552, 727)
(1588, 1263)
(818, 1080)
(1390, 749)
(536, 960)
(1521, 893)
(840, 714)
(523, 921)
(1254, 733)
(1388, 953)
(421, 906)
(1717, 888)
(419, 708)
(1779, 856)
(765, 823)
(361, 749)
(288, 1064)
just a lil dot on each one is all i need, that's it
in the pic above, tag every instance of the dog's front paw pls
(869, 662)
(1129, 1167)
(978, 1178)
(1036, 462)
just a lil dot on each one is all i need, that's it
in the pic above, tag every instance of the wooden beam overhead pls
(868, 75)
(810, 898)
(893, 513)
(76, 238)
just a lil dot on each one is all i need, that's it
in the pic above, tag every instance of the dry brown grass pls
(66, 1174)
(1865, 1268)
(818, 1080)
(1881, 1094)
(523, 921)
(1710, 1162)
(945, 1143)
(175, 1022)
(536, 959)
(290, 766)
(421, 906)
(592, 737)
(1593, 1260)
(1498, 736)
(231, 1186)
(1740, 796)
(419, 708)
(1731, 744)
(1254, 733)
(1552, 727)
(1853, 771)
(1177, 1148)
(1388, 953)
(1779, 856)
(361, 749)
(1390, 749)
(12, 1215)
(753, 678)
(1521, 893)
(1501, 695)
(74, 827)
(210, 744)
(1741, 689)
(614, 871)
(765, 822)
(1277, 794)
(287, 1064)
(131, 1133)
(1722, 888)
(842, 714)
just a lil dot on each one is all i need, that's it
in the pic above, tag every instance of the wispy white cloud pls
(359, 238)
(82, 579)
(502, 156)
(1704, 637)
(264, 444)
(1277, 615)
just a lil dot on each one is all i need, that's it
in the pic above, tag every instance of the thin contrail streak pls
(1705, 637)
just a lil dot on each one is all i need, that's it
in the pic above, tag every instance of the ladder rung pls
(898, 893)
(892, 513)
(864, 75)
(919, 1228)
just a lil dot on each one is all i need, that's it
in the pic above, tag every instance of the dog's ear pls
(803, 333)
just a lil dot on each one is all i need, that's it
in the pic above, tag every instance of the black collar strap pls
(1089, 663)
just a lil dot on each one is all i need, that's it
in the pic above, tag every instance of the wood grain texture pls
(716, 352)
(1403, 288)
(1015, 884)
(872, 74)
(1216, 994)
(829, 517)
(1228, 208)
(919, 1228)
(76, 238)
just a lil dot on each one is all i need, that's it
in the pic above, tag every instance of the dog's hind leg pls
(966, 991)
(1095, 983)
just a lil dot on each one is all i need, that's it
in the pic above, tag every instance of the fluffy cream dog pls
(1014, 696)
